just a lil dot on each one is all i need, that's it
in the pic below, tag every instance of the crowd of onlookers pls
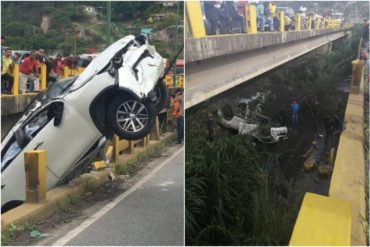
(226, 17)
(29, 71)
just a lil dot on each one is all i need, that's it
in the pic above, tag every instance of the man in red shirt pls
(28, 70)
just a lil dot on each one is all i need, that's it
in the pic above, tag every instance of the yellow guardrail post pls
(15, 89)
(35, 166)
(65, 71)
(297, 22)
(282, 21)
(154, 134)
(251, 19)
(357, 68)
(43, 77)
(195, 19)
(309, 23)
(317, 23)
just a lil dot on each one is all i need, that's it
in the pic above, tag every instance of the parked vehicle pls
(260, 127)
(120, 92)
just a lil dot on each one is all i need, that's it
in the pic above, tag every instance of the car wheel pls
(162, 94)
(129, 118)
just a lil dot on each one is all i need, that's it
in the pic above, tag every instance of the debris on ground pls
(308, 165)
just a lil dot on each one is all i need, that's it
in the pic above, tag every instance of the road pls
(149, 213)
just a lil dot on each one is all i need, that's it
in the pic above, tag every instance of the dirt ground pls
(79, 205)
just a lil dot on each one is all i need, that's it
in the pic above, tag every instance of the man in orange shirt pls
(28, 70)
(178, 113)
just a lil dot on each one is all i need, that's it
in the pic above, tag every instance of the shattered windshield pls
(51, 92)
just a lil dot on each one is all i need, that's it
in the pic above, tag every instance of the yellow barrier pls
(282, 21)
(297, 22)
(195, 19)
(67, 71)
(317, 23)
(35, 166)
(251, 18)
(309, 23)
(322, 221)
(16, 82)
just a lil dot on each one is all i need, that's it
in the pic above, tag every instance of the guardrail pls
(194, 19)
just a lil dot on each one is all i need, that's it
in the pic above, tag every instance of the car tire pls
(129, 118)
(162, 94)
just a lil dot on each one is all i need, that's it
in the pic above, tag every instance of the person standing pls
(294, 108)
(6, 65)
(178, 113)
(28, 70)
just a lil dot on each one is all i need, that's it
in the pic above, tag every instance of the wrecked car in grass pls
(260, 127)
(120, 92)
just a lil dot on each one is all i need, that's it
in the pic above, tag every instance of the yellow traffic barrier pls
(357, 69)
(322, 221)
(309, 22)
(98, 165)
(68, 72)
(42, 76)
(317, 23)
(297, 22)
(168, 80)
(154, 135)
(282, 21)
(15, 89)
(195, 19)
(251, 18)
(35, 167)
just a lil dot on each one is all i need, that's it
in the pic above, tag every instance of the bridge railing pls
(196, 23)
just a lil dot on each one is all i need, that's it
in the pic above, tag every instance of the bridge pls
(217, 63)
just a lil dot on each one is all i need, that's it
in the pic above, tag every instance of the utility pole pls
(176, 41)
(109, 20)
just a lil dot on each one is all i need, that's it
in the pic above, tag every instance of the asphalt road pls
(150, 213)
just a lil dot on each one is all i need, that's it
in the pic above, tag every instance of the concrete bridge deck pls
(215, 64)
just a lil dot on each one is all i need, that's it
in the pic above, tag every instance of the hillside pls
(56, 26)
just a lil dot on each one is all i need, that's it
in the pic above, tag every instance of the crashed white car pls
(261, 130)
(120, 92)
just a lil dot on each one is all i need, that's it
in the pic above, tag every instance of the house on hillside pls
(89, 10)
(146, 31)
(157, 17)
(166, 3)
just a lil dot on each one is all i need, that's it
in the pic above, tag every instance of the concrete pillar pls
(251, 18)
(194, 19)
(15, 89)
(282, 21)
(35, 166)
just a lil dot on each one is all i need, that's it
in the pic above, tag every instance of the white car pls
(120, 92)
(261, 130)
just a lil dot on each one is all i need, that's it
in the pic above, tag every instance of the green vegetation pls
(52, 24)
(15, 230)
(121, 169)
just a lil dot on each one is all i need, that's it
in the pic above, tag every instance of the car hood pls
(98, 63)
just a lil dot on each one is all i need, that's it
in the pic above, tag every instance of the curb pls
(60, 197)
